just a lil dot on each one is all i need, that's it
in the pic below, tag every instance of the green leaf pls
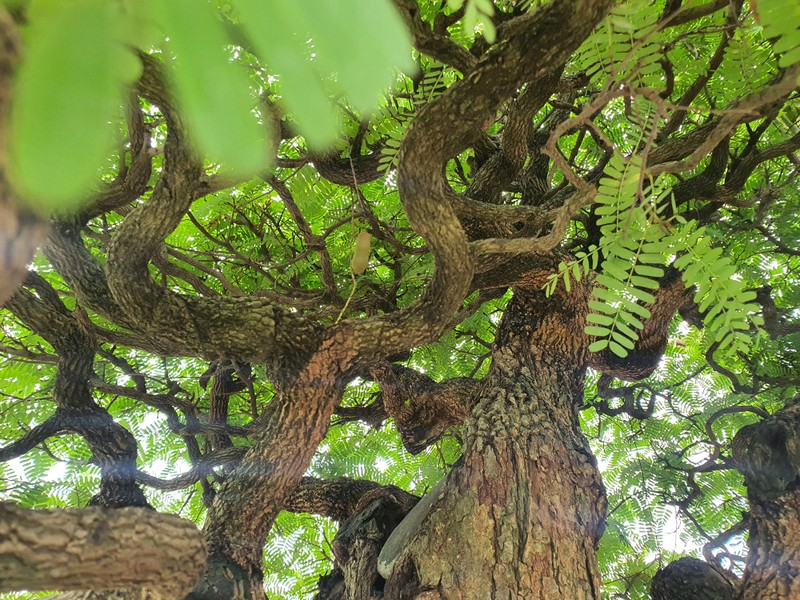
(641, 295)
(633, 307)
(616, 268)
(67, 93)
(286, 34)
(610, 282)
(212, 92)
(600, 319)
(622, 340)
(617, 349)
(630, 320)
(605, 295)
(599, 345)
(602, 307)
(576, 271)
(373, 31)
(596, 331)
(644, 282)
(279, 31)
(648, 271)
(624, 329)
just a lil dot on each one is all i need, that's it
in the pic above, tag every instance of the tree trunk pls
(768, 454)
(99, 549)
(226, 579)
(522, 515)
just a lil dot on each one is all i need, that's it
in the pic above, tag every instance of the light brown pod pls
(360, 258)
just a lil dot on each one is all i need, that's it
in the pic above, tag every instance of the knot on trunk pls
(691, 579)
(422, 409)
(768, 454)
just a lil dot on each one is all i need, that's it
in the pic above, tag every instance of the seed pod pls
(360, 258)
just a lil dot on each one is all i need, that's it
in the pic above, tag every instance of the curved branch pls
(339, 498)
(30, 440)
(767, 455)
(534, 48)
(748, 108)
(133, 179)
(246, 328)
(295, 423)
(691, 578)
(112, 446)
(677, 118)
(423, 410)
(431, 43)
(503, 166)
(341, 171)
(226, 457)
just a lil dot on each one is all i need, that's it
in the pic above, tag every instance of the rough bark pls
(249, 501)
(340, 498)
(422, 409)
(99, 549)
(522, 515)
(358, 544)
(768, 454)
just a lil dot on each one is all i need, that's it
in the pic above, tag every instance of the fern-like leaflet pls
(626, 47)
(432, 84)
(633, 252)
(781, 21)
(636, 244)
(729, 309)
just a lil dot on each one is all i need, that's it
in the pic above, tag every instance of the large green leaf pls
(67, 93)
(317, 48)
(213, 93)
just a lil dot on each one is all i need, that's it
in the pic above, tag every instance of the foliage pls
(84, 52)
(781, 22)
(302, 236)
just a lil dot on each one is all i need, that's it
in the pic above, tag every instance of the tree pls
(557, 265)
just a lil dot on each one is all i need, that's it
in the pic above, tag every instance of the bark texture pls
(99, 549)
(522, 515)
(768, 454)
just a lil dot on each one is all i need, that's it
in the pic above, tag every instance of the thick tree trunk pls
(522, 515)
(99, 549)
(768, 454)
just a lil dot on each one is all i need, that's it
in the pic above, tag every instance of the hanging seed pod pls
(360, 258)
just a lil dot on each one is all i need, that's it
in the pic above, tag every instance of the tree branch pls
(423, 410)
(98, 549)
